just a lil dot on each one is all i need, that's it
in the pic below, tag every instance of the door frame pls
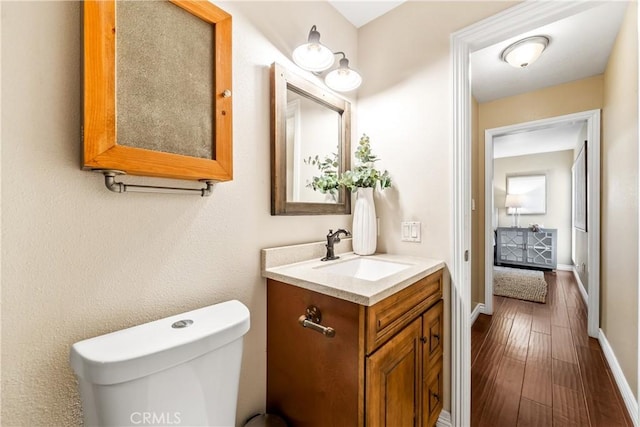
(592, 118)
(516, 20)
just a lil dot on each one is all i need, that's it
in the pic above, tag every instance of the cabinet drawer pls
(432, 330)
(390, 315)
(432, 396)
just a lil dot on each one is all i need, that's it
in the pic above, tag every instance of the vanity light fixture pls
(525, 52)
(314, 56)
(343, 78)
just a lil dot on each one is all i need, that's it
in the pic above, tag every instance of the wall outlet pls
(411, 231)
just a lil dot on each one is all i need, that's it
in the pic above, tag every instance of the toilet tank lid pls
(152, 347)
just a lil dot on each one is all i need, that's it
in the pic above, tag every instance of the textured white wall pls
(79, 261)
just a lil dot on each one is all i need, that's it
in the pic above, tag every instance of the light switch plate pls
(411, 231)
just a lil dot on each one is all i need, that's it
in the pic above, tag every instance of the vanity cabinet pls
(383, 366)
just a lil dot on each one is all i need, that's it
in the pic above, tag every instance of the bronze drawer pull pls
(311, 319)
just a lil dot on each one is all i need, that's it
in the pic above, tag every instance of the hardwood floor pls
(534, 364)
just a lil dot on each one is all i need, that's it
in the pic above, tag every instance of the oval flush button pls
(182, 323)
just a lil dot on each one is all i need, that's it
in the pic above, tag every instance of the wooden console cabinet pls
(383, 367)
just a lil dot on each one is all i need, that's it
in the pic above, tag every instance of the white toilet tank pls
(183, 370)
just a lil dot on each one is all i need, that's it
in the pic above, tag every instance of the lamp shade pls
(343, 78)
(525, 52)
(313, 55)
(513, 201)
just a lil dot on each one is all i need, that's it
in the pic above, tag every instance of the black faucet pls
(333, 238)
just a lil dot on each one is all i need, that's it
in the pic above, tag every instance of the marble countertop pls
(284, 264)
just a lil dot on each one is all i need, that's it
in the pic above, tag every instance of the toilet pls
(183, 370)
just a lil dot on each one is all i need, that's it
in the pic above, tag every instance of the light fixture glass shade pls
(343, 79)
(525, 52)
(313, 55)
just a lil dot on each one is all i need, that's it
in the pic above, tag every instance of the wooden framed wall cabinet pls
(157, 89)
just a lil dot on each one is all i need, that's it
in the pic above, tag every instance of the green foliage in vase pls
(327, 182)
(364, 174)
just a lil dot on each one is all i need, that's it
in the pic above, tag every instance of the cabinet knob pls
(423, 339)
(435, 396)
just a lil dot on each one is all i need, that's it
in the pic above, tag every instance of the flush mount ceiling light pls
(525, 52)
(314, 56)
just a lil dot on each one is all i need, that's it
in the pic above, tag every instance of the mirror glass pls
(310, 145)
(531, 191)
(312, 130)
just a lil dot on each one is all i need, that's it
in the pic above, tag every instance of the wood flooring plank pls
(562, 344)
(533, 414)
(573, 297)
(601, 392)
(537, 385)
(578, 325)
(541, 320)
(563, 365)
(526, 307)
(500, 329)
(567, 375)
(555, 296)
(551, 289)
(509, 308)
(539, 349)
(483, 377)
(518, 341)
(606, 413)
(502, 409)
(569, 406)
(559, 316)
(479, 332)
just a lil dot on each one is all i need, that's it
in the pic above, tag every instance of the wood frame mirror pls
(101, 122)
(325, 116)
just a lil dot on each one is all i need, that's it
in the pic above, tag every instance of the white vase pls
(364, 232)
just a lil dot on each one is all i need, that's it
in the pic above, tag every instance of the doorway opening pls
(513, 21)
(592, 120)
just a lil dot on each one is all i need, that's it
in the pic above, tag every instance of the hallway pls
(534, 364)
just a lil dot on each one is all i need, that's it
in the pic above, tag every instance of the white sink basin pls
(363, 268)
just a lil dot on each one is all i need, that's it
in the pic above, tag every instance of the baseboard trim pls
(583, 291)
(476, 312)
(444, 420)
(564, 267)
(621, 381)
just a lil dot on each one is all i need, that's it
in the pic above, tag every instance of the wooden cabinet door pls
(432, 329)
(432, 396)
(394, 374)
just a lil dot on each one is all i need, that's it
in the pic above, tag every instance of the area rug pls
(528, 285)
